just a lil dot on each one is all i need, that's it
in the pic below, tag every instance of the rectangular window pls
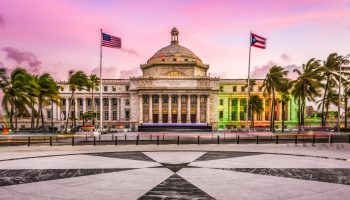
(88, 89)
(127, 114)
(127, 88)
(62, 88)
(97, 101)
(193, 99)
(115, 115)
(114, 88)
(221, 114)
(242, 88)
(88, 102)
(203, 99)
(72, 115)
(233, 116)
(155, 99)
(145, 99)
(234, 103)
(241, 115)
(234, 89)
(251, 88)
(98, 115)
(81, 115)
(64, 115)
(106, 102)
(63, 102)
(127, 102)
(267, 115)
(260, 88)
(97, 88)
(258, 116)
(221, 102)
(221, 88)
(106, 115)
(80, 102)
(165, 99)
(174, 99)
(48, 114)
(105, 88)
(114, 101)
(183, 99)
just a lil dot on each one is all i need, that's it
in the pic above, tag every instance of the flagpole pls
(248, 95)
(101, 128)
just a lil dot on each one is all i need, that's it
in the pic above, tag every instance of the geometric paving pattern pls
(182, 175)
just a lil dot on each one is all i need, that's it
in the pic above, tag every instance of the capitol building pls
(174, 90)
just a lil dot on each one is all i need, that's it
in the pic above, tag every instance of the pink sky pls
(58, 35)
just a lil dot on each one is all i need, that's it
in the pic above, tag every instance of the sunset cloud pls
(27, 59)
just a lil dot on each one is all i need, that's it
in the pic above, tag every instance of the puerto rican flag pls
(257, 41)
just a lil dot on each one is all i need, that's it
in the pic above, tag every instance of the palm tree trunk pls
(273, 109)
(39, 112)
(283, 105)
(32, 115)
(11, 116)
(42, 119)
(323, 117)
(69, 104)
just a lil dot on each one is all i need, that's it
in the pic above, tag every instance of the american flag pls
(257, 41)
(111, 41)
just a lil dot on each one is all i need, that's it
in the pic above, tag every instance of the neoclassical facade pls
(174, 88)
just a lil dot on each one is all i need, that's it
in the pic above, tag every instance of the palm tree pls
(331, 69)
(48, 93)
(15, 88)
(93, 82)
(275, 81)
(256, 106)
(307, 85)
(76, 81)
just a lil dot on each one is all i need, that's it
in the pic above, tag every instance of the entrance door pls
(193, 118)
(165, 118)
(155, 118)
(183, 118)
(174, 118)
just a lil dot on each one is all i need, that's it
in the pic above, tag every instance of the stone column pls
(263, 116)
(188, 113)
(207, 109)
(58, 113)
(67, 107)
(140, 109)
(160, 109)
(119, 109)
(109, 100)
(169, 109)
(84, 105)
(150, 113)
(198, 114)
(238, 109)
(76, 108)
(179, 109)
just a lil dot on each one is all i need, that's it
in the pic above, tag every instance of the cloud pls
(126, 73)
(286, 57)
(28, 59)
(260, 72)
(2, 21)
(130, 51)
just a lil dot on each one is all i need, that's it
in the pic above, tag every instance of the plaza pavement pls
(225, 171)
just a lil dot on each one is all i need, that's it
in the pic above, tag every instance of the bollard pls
(28, 141)
(137, 140)
(157, 140)
(331, 139)
(276, 139)
(125, 137)
(50, 141)
(313, 140)
(257, 139)
(163, 136)
(99, 137)
(150, 137)
(198, 140)
(112, 137)
(178, 140)
(72, 141)
(296, 139)
(224, 136)
(238, 139)
(86, 137)
(116, 141)
(94, 141)
(218, 139)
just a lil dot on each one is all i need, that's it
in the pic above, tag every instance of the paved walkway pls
(264, 171)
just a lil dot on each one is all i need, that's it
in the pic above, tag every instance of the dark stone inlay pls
(20, 176)
(176, 167)
(175, 187)
(215, 155)
(125, 155)
(329, 175)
